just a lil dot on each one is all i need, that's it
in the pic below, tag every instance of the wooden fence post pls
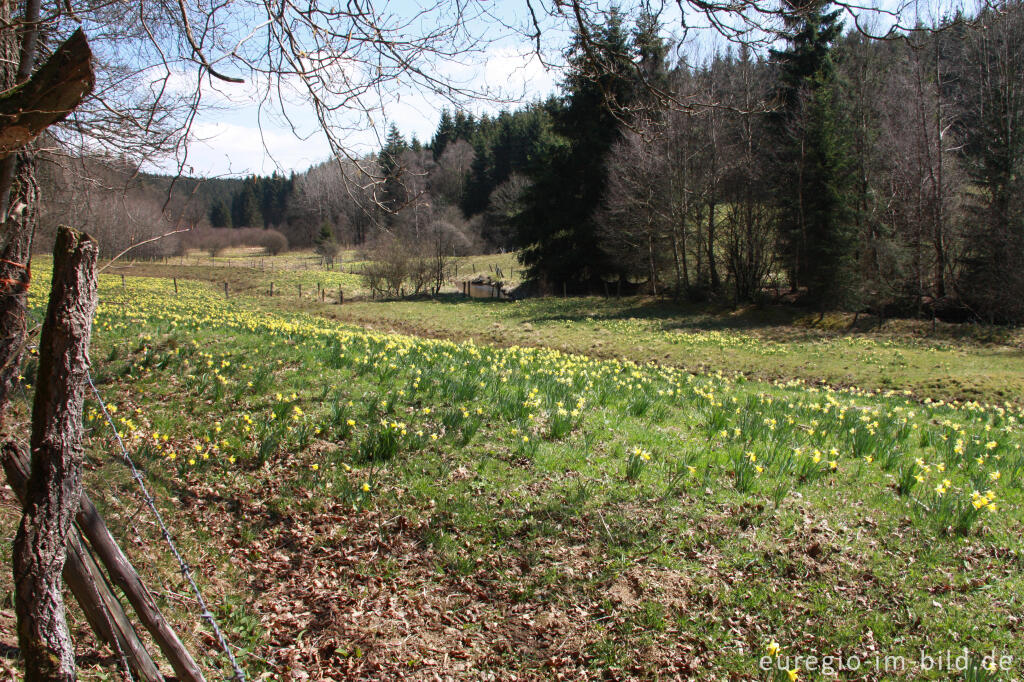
(341, 296)
(175, 285)
(55, 483)
(271, 289)
(225, 289)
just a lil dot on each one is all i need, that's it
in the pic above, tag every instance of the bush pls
(274, 242)
(215, 240)
(388, 266)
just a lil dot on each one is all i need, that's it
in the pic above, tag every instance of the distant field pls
(250, 271)
(361, 503)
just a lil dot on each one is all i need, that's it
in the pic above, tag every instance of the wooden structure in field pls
(483, 287)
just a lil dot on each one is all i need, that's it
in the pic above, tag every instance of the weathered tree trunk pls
(19, 37)
(55, 483)
(29, 103)
(15, 273)
(19, 229)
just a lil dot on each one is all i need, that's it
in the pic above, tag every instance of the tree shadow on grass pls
(671, 316)
(779, 322)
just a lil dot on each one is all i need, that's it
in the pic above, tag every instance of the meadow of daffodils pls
(206, 389)
(953, 464)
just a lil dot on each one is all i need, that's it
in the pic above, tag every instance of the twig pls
(144, 241)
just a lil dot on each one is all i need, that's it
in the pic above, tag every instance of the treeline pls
(846, 172)
(460, 190)
(257, 202)
(835, 170)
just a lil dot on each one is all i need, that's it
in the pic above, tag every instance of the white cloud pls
(234, 137)
(223, 148)
(520, 75)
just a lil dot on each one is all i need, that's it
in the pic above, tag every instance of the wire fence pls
(186, 571)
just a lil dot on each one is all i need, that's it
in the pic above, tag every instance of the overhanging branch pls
(48, 96)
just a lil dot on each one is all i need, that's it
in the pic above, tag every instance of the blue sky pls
(234, 135)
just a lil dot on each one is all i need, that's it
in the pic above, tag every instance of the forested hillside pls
(835, 169)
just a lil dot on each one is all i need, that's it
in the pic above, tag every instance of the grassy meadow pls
(560, 488)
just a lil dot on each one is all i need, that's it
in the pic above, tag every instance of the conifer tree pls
(444, 135)
(558, 231)
(220, 216)
(393, 195)
(816, 229)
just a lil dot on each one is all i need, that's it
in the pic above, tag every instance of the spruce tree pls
(220, 216)
(558, 231)
(394, 194)
(245, 206)
(812, 178)
(444, 135)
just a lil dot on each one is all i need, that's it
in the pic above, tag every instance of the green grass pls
(523, 511)
(250, 271)
(954, 363)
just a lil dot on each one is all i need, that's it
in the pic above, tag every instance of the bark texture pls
(15, 275)
(55, 482)
(101, 607)
(29, 103)
(48, 96)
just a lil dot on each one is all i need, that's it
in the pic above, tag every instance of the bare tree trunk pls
(650, 256)
(81, 573)
(48, 95)
(15, 272)
(712, 268)
(940, 215)
(55, 484)
(17, 58)
(29, 102)
(675, 262)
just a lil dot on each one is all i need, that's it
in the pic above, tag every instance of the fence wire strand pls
(186, 571)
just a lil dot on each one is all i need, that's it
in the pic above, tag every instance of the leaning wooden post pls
(123, 574)
(55, 483)
(175, 285)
